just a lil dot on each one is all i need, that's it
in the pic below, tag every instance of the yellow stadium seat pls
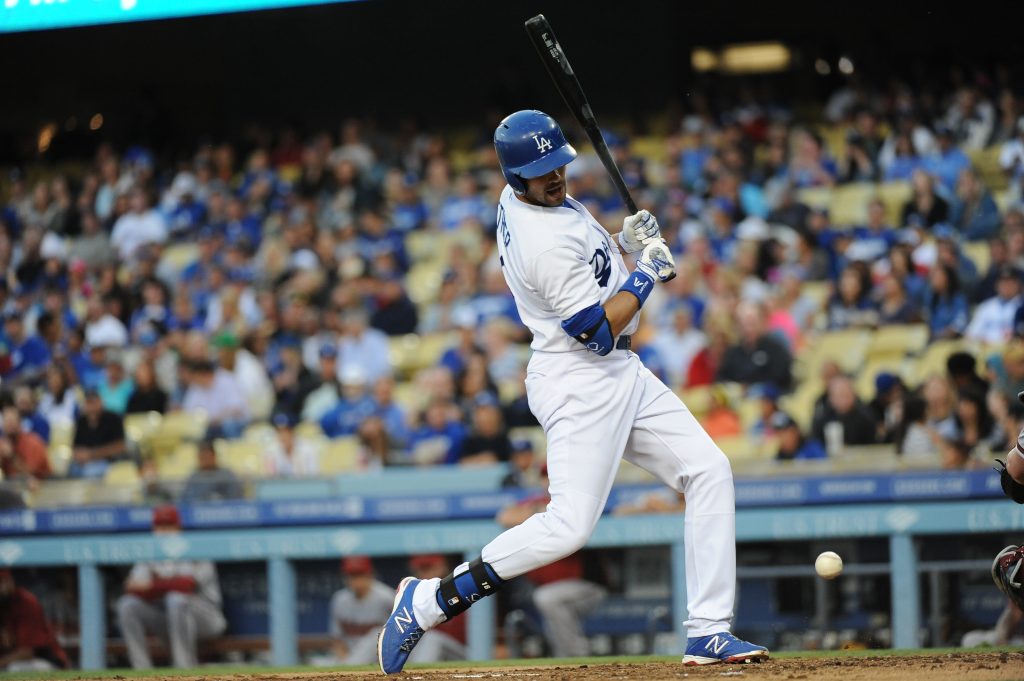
(933, 360)
(60, 458)
(62, 433)
(244, 457)
(179, 463)
(739, 447)
(651, 148)
(986, 162)
(864, 380)
(815, 197)
(898, 340)
(749, 411)
(819, 291)
(309, 430)
(422, 245)
(979, 253)
(260, 431)
(423, 282)
(121, 474)
(834, 137)
(114, 495)
(847, 348)
(895, 195)
(1003, 200)
(849, 203)
(180, 255)
(140, 429)
(54, 493)
(800, 403)
(431, 347)
(409, 396)
(340, 455)
(697, 400)
(184, 425)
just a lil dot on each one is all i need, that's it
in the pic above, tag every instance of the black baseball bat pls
(555, 61)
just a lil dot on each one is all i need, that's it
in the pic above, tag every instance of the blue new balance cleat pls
(723, 647)
(401, 632)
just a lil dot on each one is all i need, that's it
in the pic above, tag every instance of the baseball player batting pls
(595, 400)
(1008, 566)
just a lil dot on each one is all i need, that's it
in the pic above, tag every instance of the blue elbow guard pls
(591, 327)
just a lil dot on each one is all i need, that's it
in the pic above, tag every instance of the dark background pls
(455, 62)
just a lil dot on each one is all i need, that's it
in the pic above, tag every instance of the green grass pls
(253, 670)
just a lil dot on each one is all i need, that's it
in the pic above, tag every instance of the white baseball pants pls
(595, 410)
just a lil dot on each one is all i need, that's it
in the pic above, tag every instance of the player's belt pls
(624, 343)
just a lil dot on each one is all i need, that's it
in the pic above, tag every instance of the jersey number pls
(503, 227)
(602, 264)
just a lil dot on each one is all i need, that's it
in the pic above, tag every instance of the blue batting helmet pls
(530, 144)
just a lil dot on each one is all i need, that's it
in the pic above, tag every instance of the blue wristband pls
(640, 284)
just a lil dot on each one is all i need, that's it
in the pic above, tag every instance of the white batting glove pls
(657, 262)
(637, 230)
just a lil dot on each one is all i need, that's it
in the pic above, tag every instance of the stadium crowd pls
(271, 280)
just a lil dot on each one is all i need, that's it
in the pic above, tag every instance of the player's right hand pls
(637, 230)
(657, 262)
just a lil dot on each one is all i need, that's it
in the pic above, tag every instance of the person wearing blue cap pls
(523, 471)
(767, 396)
(323, 398)
(792, 443)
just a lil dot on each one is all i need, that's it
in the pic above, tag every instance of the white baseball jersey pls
(203, 571)
(557, 262)
(352, 618)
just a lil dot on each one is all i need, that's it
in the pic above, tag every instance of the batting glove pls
(657, 262)
(637, 230)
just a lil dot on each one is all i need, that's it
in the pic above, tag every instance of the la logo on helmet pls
(543, 143)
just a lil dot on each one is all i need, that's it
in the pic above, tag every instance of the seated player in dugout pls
(27, 641)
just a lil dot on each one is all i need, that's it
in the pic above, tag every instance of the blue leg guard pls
(457, 592)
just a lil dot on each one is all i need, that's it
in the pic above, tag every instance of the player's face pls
(546, 190)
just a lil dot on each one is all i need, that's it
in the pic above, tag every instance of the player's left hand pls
(637, 230)
(657, 262)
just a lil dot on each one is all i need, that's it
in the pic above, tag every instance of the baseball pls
(828, 565)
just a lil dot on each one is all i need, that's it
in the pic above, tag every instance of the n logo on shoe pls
(403, 620)
(717, 644)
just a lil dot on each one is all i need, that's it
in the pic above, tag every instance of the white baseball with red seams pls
(595, 410)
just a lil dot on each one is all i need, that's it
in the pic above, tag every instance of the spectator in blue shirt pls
(974, 212)
(354, 406)
(389, 412)
(874, 239)
(946, 305)
(465, 204)
(905, 160)
(31, 420)
(948, 161)
(409, 212)
(851, 306)
(792, 444)
(29, 354)
(242, 225)
(439, 438)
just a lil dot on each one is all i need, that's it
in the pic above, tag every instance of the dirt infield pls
(966, 666)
